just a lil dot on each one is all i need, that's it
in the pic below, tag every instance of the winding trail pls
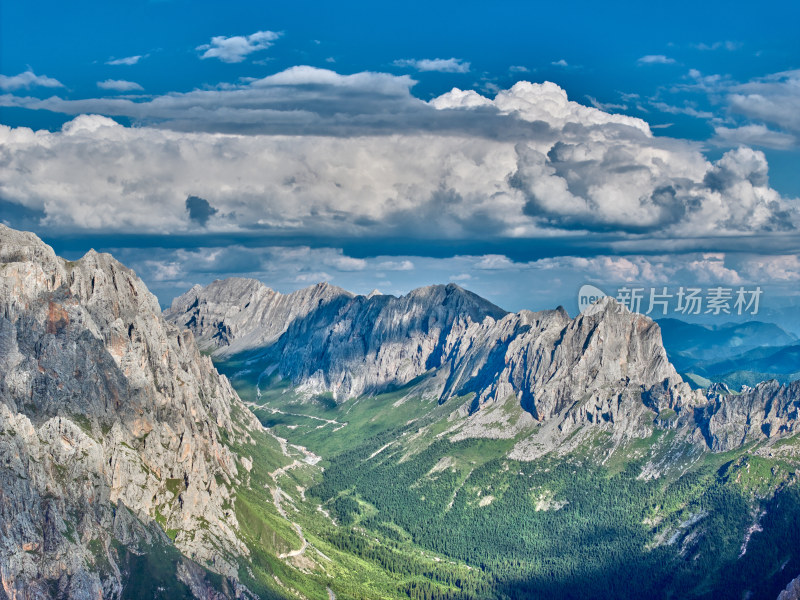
(275, 411)
(277, 497)
(309, 458)
(302, 549)
(283, 412)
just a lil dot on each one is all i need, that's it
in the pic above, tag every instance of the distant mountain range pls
(733, 353)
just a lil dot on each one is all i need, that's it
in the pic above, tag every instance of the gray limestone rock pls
(110, 419)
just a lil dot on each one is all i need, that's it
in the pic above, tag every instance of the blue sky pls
(323, 141)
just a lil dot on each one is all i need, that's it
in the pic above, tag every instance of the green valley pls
(395, 509)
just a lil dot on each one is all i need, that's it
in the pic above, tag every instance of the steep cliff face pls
(237, 314)
(768, 410)
(328, 340)
(110, 419)
(355, 344)
(374, 343)
(549, 361)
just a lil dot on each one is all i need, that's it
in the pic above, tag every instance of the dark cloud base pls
(519, 250)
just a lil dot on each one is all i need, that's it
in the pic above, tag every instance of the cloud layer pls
(528, 163)
(535, 284)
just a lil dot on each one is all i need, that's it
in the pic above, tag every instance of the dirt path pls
(278, 493)
(302, 548)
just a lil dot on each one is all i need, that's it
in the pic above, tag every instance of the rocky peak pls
(235, 314)
(549, 363)
(768, 410)
(105, 409)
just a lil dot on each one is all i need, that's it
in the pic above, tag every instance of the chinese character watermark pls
(663, 301)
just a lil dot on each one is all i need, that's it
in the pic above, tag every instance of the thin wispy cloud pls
(119, 85)
(28, 79)
(655, 59)
(442, 65)
(560, 63)
(127, 61)
(728, 45)
(688, 110)
(606, 106)
(392, 265)
(753, 135)
(236, 48)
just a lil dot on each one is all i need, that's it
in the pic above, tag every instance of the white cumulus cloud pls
(527, 163)
(235, 48)
(27, 79)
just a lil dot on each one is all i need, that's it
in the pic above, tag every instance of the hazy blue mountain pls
(734, 353)
(694, 342)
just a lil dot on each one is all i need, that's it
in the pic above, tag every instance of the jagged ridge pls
(606, 368)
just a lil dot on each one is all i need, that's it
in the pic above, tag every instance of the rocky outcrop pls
(236, 314)
(792, 591)
(768, 410)
(105, 410)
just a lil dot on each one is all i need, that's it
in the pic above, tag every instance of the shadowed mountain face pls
(110, 420)
(234, 315)
(326, 340)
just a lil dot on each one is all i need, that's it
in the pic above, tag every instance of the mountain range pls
(735, 354)
(335, 445)
(605, 368)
